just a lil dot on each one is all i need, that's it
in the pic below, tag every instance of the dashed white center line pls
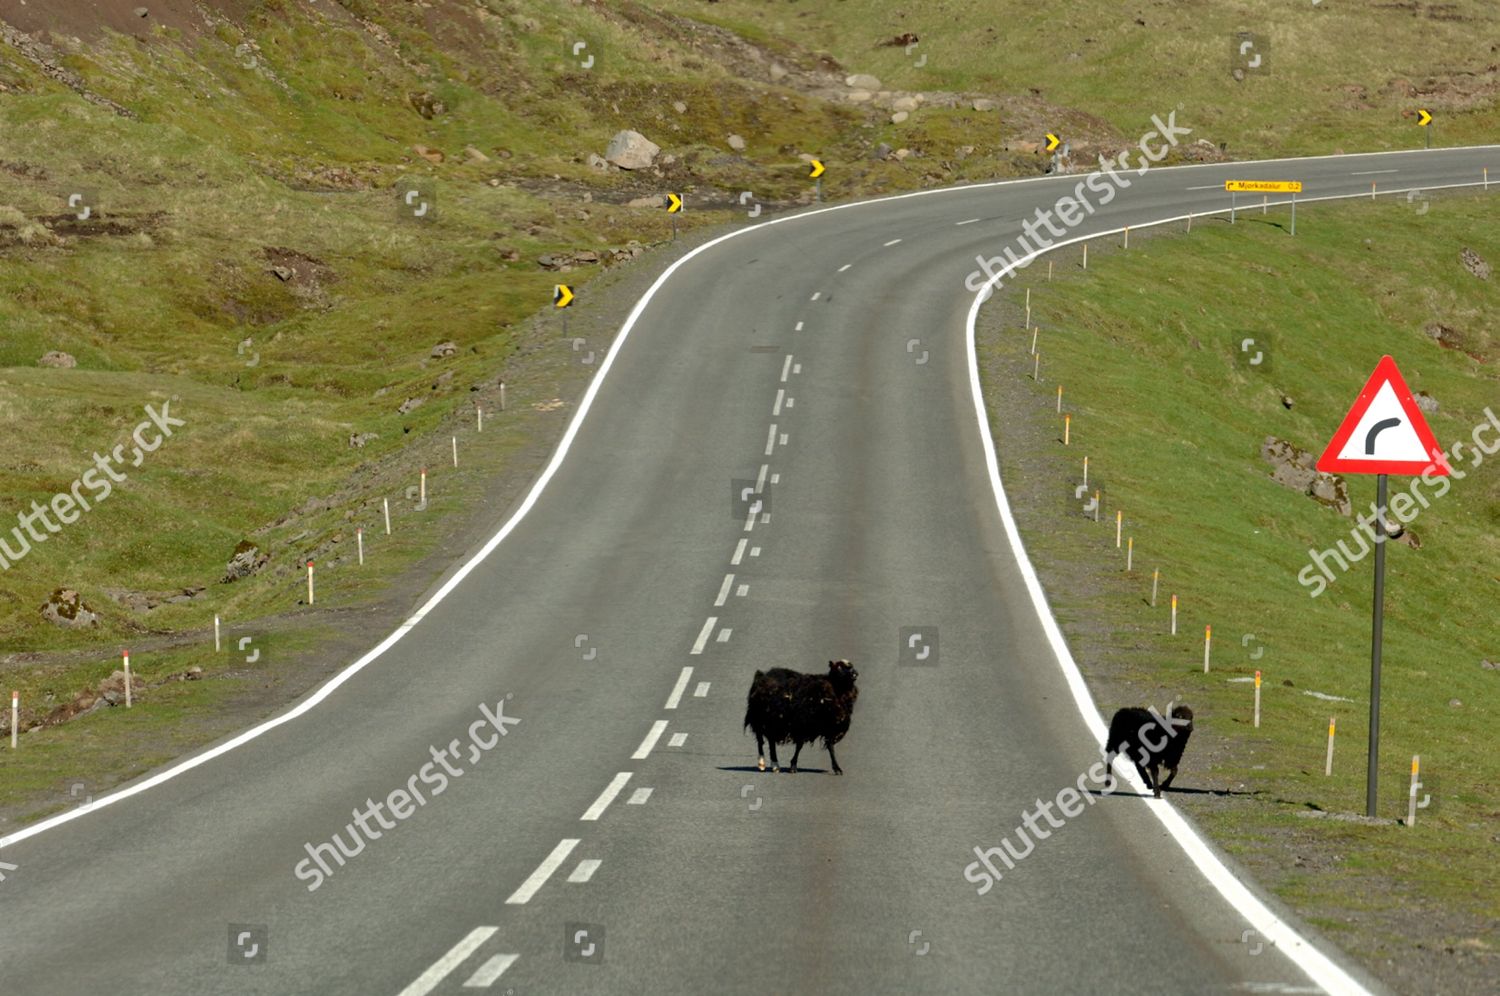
(585, 870)
(703, 634)
(816, 295)
(798, 328)
(750, 515)
(677, 689)
(739, 552)
(638, 797)
(490, 971)
(791, 402)
(644, 750)
(760, 479)
(780, 397)
(539, 877)
(783, 439)
(724, 634)
(1372, 172)
(796, 368)
(969, 222)
(755, 551)
(775, 478)
(742, 591)
(428, 980)
(771, 439)
(845, 267)
(608, 795)
(1211, 186)
(891, 243)
(786, 367)
(678, 739)
(724, 590)
(701, 692)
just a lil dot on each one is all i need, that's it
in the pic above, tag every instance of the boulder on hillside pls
(1475, 264)
(862, 81)
(631, 150)
(67, 609)
(247, 560)
(57, 358)
(1295, 468)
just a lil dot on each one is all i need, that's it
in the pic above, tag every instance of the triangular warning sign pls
(1384, 433)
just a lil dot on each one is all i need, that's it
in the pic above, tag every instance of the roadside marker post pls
(502, 395)
(1411, 795)
(1372, 190)
(1059, 397)
(1328, 764)
(1127, 238)
(385, 505)
(1096, 504)
(1036, 368)
(359, 537)
(1067, 428)
(309, 582)
(455, 451)
(1424, 121)
(815, 171)
(1257, 699)
(1384, 433)
(1231, 207)
(479, 415)
(422, 488)
(216, 634)
(1265, 188)
(1174, 615)
(1119, 521)
(126, 655)
(1129, 552)
(1034, 333)
(15, 716)
(1208, 642)
(1085, 255)
(1085, 471)
(1049, 262)
(1155, 577)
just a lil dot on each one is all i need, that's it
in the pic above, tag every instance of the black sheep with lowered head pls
(786, 706)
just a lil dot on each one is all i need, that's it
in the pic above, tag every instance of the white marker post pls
(1036, 368)
(1067, 428)
(1119, 521)
(1085, 471)
(1174, 615)
(1155, 577)
(1034, 333)
(479, 414)
(1085, 255)
(1328, 764)
(422, 492)
(309, 582)
(1028, 307)
(1265, 204)
(1257, 699)
(1049, 262)
(15, 716)
(359, 538)
(455, 451)
(1129, 551)
(1127, 237)
(1190, 224)
(502, 395)
(1372, 190)
(385, 503)
(1411, 796)
(1208, 642)
(216, 634)
(1059, 398)
(126, 655)
(1294, 212)
(1096, 504)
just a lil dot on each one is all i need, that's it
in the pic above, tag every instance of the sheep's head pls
(842, 674)
(1184, 717)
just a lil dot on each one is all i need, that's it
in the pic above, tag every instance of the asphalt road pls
(783, 351)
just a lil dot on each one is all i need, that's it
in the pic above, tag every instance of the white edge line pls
(607, 796)
(969, 222)
(1321, 969)
(428, 980)
(566, 443)
(543, 872)
(677, 689)
(491, 970)
(644, 750)
(1372, 172)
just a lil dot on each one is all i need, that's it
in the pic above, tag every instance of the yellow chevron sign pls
(674, 203)
(1263, 186)
(1052, 142)
(562, 295)
(815, 169)
(1423, 118)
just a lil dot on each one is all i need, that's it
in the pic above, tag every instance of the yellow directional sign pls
(562, 295)
(1263, 186)
(674, 203)
(814, 169)
(1052, 142)
(1423, 118)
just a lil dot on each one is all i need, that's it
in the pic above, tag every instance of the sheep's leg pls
(760, 750)
(795, 754)
(835, 761)
(1162, 786)
(775, 764)
(1148, 775)
(1109, 771)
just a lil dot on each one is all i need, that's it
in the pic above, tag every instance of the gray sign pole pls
(1294, 212)
(1231, 207)
(1373, 763)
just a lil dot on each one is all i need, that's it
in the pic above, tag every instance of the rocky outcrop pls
(631, 150)
(1296, 468)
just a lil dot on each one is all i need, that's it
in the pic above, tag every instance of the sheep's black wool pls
(1150, 741)
(786, 706)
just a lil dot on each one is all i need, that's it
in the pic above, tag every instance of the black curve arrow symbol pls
(1377, 429)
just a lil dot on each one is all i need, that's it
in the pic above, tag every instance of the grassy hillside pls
(1145, 343)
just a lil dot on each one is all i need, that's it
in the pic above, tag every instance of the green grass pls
(1144, 343)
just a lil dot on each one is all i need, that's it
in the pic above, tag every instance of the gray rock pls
(736, 143)
(899, 117)
(1295, 468)
(862, 81)
(1475, 264)
(357, 440)
(247, 560)
(778, 72)
(410, 405)
(67, 609)
(474, 155)
(881, 151)
(905, 103)
(985, 104)
(55, 358)
(631, 150)
(1426, 402)
(650, 201)
(598, 162)
(858, 96)
(443, 349)
(679, 107)
(1332, 491)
